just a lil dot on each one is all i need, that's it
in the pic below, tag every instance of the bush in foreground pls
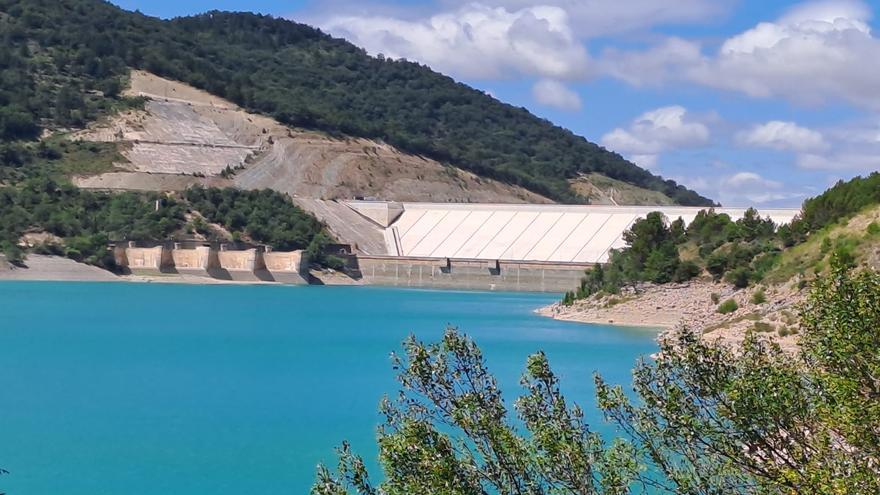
(706, 419)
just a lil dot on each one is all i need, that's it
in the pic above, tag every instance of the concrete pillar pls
(287, 267)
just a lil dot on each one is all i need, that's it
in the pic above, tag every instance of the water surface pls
(110, 388)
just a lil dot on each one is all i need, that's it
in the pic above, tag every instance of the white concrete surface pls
(550, 233)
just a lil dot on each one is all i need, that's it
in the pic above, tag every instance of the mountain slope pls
(184, 136)
(298, 75)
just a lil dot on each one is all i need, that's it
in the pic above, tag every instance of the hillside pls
(184, 136)
(601, 190)
(65, 62)
(42, 216)
(724, 278)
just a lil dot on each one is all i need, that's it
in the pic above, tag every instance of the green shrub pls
(763, 327)
(334, 262)
(873, 228)
(739, 277)
(49, 249)
(825, 248)
(686, 270)
(763, 263)
(613, 301)
(845, 250)
(717, 265)
(759, 297)
(12, 252)
(728, 306)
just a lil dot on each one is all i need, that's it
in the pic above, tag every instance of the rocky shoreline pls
(693, 305)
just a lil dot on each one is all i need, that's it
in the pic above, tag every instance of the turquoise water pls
(145, 389)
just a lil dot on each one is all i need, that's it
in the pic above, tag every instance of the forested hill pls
(53, 49)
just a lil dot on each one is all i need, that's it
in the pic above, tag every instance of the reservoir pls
(109, 388)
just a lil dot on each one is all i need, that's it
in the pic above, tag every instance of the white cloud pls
(750, 179)
(476, 41)
(500, 39)
(554, 94)
(844, 160)
(603, 17)
(654, 132)
(645, 161)
(852, 147)
(817, 52)
(745, 188)
(654, 66)
(749, 188)
(784, 136)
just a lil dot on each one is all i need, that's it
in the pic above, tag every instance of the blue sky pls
(749, 102)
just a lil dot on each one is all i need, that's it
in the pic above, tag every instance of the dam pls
(213, 261)
(505, 247)
(488, 246)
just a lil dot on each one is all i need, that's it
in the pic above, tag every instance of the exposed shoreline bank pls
(693, 305)
(41, 268)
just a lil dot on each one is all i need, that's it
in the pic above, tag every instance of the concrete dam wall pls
(457, 246)
(442, 273)
(287, 267)
(144, 259)
(249, 265)
(544, 233)
(489, 246)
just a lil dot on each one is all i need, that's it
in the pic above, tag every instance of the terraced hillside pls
(185, 136)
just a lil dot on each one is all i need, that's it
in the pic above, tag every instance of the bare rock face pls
(185, 136)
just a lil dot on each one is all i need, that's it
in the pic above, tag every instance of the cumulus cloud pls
(499, 38)
(850, 147)
(817, 52)
(476, 41)
(783, 136)
(745, 188)
(750, 188)
(554, 94)
(603, 17)
(657, 65)
(654, 132)
(844, 160)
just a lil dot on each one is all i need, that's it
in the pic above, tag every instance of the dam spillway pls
(489, 246)
(522, 233)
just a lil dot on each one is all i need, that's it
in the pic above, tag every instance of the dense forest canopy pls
(59, 57)
(841, 200)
